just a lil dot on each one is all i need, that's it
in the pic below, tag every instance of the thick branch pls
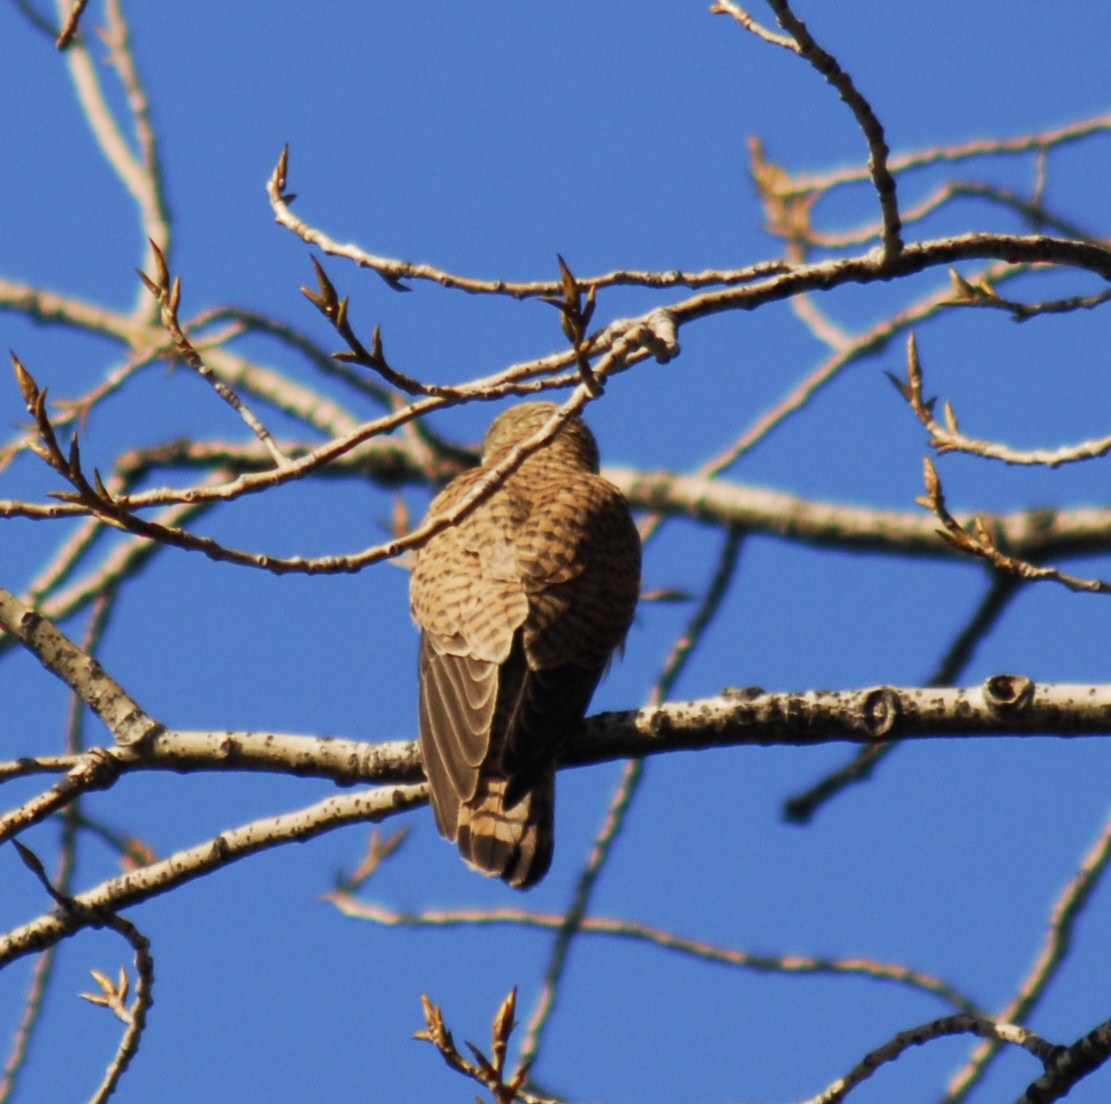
(125, 718)
(1005, 705)
(1032, 534)
(159, 877)
(1070, 1066)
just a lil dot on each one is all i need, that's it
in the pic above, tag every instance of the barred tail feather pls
(514, 844)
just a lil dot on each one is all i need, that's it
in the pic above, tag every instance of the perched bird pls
(521, 605)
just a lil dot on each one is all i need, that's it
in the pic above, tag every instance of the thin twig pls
(395, 270)
(153, 208)
(133, 173)
(977, 540)
(803, 965)
(1055, 948)
(882, 178)
(727, 7)
(988, 147)
(949, 438)
(135, 1016)
(69, 30)
(963, 1024)
(168, 296)
(63, 874)
(622, 798)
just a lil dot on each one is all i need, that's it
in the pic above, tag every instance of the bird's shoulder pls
(574, 525)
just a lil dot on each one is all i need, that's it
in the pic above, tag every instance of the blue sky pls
(486, 138)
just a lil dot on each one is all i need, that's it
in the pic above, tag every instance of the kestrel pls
(521, 605)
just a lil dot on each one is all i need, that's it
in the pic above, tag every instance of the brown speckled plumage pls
(520, 606)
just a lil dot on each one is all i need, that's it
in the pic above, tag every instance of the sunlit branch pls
(977, 540)
(183, 866)
(802, 965)
(395, 270)
(964, 1024)
(153, 208)
(1041, 141)
(948, 437)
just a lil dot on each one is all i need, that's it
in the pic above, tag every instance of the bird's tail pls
(515, 843)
